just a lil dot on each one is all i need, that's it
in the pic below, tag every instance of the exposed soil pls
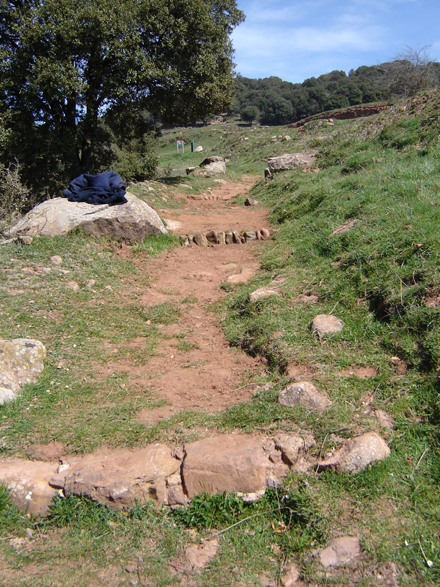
(195, 368)
(360, 111)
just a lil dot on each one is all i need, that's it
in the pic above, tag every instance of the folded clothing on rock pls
(104, 188)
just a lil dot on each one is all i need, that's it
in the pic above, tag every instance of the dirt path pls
(195, 368)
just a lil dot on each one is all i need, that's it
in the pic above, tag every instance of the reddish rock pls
(243, 277)
(121, 477)
(292, 446)
(28, 482)
(228, 463)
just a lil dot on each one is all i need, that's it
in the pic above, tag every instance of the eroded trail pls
(195, 369)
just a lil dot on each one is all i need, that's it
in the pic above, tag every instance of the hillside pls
(274, 101)
(169, 347)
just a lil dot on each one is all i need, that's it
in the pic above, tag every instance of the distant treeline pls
(274, 101)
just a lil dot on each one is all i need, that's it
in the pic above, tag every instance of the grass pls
(381, 278)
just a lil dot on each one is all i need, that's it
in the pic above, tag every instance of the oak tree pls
(65, 63)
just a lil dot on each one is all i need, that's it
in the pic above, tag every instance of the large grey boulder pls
(214, 165)
(288, 161)
(132, 221)
(21, 362)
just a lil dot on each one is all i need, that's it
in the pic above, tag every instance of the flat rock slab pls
(357, 453)
(28, 482)
(121, 477)
(326, 324)
(340, 551)
(306, 395)
(132, 221)
(21, 362)
(231, 463)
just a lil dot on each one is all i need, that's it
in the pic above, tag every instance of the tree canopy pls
(66, 63)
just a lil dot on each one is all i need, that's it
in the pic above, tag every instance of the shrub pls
(14, 196)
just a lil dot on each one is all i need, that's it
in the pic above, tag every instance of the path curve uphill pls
(195, 369)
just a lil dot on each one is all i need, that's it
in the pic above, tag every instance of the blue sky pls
(295, 40)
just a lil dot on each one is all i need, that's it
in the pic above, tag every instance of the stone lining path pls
(208, 376)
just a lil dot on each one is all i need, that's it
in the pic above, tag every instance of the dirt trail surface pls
(201, 373)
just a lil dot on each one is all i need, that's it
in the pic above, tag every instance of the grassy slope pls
(382, 171)
(377, 277)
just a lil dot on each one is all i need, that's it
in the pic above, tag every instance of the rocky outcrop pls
(288, 162)
(214, 165)
(360, 111)
(21, 362)
(121, 477)
(132, 221)
(243, 464)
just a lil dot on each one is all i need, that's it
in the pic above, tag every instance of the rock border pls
(221, 237)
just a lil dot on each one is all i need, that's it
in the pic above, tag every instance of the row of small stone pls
(220, 237)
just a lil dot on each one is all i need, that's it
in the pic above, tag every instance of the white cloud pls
(264, 42)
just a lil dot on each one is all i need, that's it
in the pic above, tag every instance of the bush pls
(137, 160)
(14, 196)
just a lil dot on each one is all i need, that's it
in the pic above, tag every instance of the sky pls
(295, 40)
